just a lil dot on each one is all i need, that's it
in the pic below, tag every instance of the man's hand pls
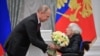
(54, 47)
(57, 47)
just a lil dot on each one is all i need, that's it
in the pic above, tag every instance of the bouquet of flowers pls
(60, 39)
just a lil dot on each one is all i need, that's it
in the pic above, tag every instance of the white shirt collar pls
(38, 19)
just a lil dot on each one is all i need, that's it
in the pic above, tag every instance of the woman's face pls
(69, 31)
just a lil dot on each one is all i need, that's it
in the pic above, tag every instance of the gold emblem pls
(87, 10)
(75, 6)
(60, 3)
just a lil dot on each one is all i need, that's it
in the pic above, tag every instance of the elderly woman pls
(74, 33)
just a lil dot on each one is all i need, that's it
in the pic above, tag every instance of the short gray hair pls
(43, 8)
(75, 28)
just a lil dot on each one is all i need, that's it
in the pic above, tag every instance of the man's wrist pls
(48, 47)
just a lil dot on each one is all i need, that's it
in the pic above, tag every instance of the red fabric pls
(1, 50)
(86, 24)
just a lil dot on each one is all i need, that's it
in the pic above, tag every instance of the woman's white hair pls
(75, 28)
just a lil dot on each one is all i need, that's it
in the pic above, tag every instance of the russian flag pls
(5, 25)
(77, 11)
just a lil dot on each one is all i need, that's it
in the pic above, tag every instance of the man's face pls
(45, 16)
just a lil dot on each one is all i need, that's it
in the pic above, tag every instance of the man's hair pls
(75, 27)
(43, 8)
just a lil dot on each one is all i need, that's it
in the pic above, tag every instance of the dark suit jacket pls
(25, 32)
(73, 46)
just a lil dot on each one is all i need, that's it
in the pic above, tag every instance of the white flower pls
(60, 39)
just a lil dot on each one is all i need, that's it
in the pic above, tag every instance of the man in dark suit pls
(28, 31)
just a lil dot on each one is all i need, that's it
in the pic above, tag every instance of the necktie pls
(38, 27)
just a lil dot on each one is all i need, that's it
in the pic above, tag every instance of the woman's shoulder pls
(78, 36)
